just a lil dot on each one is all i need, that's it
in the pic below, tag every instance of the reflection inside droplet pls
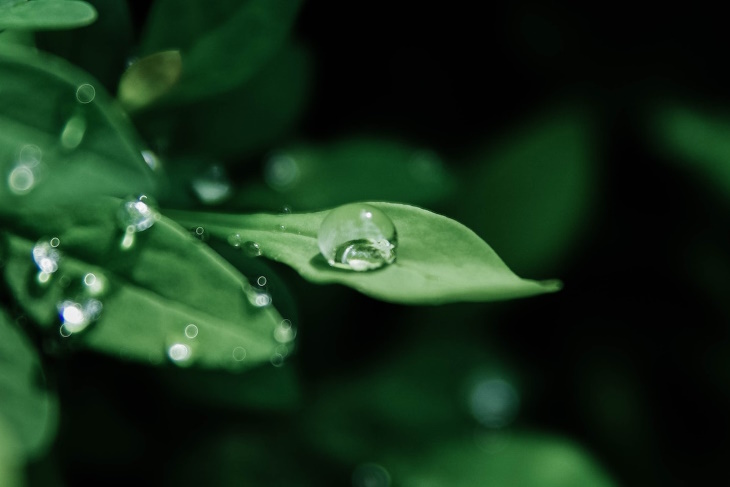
(75, 317)
(191, 331)
(370, 475)
(85, 93)
(252, 249)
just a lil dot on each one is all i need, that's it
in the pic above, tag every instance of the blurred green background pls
(588, 144)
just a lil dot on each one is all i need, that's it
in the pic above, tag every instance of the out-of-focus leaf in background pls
(223, 44)
(151, 293)
(496, 460)
(531, 192)
(45, 14)
(315, 176)
(113, 30)
(61, 137)
(698, 139)
(27, 411)
(439, 260)
(243, 119)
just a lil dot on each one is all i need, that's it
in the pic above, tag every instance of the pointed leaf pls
(27, 412)
(150, 292)
(61, 136)
(438, 259)
(46, 14)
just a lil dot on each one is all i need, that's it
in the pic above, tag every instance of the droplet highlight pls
(357, 237)
(76, 317)
(179, 353)
(46, 256)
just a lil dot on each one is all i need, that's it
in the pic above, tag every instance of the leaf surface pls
(438, 260)
(46, 14)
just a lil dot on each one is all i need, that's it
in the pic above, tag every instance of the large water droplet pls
(213, 186)
(73, 132)
(252, 249)
(85, 93)
(357, 236)
(75, 317)
(46, 256)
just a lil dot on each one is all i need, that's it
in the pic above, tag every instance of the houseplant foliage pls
(121, 234)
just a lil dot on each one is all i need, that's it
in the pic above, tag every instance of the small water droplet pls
(179, 353)
(151, 159)
(199, 233)
(94, 284)
(22, 179)
(55, 242)
(358, 237)
(277, 359)
(235, 240)
(73, 132)
(239, 353)
(286, 210)
(75, 317)
(281, 172)
(46, 257)
(85, 93)
(252, 249)
(213, 186)
(191, 331)
(370, 475)
(261, 281)
(136, 215)
(282, 228)
(285, 332)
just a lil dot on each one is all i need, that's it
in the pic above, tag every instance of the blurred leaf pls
(223, 44)
(27, 412)
(500, 460)
(149, 78)
(61, 137)
(247, 118)
(113, 30)
(154, 290)
(46, 14)
(698, 139)
(531, 195)
(439, 260)
(312, 177)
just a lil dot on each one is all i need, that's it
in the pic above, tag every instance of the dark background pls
(630, 360)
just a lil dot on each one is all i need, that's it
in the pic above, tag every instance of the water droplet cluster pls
(357, 237)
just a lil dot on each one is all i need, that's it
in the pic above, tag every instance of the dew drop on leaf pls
(213, 186)
(136, 215)
(76, 317)
(179, 353)
(285, 332)
(191, 331)
(85, 93)
(235, 240)
(358, 237)
(252, 249)
(46, 256)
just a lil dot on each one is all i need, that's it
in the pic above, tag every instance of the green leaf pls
(150, 292)
(149, 78)
(531, 196)
(312, 177)
(27, 412)
(61, 136)
(438, 259)
(249, 118)
(223, 44)
(500, 459)
(697, 139)
(46, 14)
